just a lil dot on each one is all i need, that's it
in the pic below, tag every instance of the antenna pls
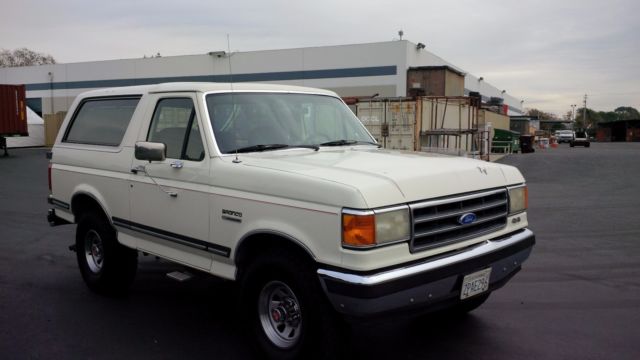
(229, 58)
(236, 160)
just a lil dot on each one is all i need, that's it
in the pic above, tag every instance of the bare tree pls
(24, 57)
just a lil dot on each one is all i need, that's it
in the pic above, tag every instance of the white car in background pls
(565, 136)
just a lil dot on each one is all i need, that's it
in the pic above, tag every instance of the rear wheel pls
(107, 267)
(288, 314)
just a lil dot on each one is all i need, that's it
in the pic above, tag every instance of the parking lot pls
(578, 296)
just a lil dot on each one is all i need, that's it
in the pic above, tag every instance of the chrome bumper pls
(431, 282)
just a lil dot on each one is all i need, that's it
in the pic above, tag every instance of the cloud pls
(548, 52)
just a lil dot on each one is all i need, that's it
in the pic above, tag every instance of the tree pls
(24, 57)
(541, 114)
(608, 116)
(627, 113)
(591, 121)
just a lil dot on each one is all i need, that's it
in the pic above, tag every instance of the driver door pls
(169, 199)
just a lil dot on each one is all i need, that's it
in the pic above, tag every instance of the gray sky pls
(549, 53)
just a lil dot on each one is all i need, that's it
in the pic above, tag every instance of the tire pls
(571, 144)
(587, 145)
(288, 315)
(107, 266)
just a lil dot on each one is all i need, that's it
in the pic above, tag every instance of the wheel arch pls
(83, 201)
(257, 242)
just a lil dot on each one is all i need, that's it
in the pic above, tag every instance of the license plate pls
(476, 283)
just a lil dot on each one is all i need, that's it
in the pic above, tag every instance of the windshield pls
(253, 120)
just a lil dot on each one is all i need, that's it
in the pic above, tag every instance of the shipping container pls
(391, 122)
(13, 110)
(446, 124)
(13, 113)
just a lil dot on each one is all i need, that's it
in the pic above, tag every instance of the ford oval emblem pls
(467, 218)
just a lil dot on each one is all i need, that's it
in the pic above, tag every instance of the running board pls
(179, 276)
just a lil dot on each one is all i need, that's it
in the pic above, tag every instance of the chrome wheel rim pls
(94, 251)
(280, 314)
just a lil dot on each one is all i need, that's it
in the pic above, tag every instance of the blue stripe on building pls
(272, 76)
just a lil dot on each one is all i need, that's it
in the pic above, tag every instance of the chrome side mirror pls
(150, 151)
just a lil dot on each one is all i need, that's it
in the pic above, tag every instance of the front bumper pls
(431, 283)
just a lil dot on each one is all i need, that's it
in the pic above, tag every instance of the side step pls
(179, 276)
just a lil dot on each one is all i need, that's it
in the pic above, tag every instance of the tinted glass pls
(101, 121)
(174, 124)
(248, 119)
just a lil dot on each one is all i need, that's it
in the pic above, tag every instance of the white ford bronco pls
(282, 189)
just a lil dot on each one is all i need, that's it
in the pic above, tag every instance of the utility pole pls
(584, 111)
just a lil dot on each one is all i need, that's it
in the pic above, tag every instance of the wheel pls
(107, 266)
(288, 315)
(587, 145)
(571, 144)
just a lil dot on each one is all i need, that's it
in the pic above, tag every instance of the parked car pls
(565, 136)
(581, 139)
(283, 190)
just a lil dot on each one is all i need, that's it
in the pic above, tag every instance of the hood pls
(383, 177)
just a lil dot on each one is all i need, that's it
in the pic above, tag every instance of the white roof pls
(203, 87)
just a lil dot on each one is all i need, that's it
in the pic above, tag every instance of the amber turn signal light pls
(358, 230)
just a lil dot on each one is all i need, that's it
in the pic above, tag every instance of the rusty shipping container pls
(13, 111)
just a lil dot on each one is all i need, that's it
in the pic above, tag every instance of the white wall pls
(402, 54)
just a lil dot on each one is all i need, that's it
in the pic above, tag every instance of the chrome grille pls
(436, 223)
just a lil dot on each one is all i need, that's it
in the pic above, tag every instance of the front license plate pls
(476, 283)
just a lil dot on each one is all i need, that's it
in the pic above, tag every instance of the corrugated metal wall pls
(13, 110)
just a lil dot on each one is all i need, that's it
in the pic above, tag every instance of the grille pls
(436, 223)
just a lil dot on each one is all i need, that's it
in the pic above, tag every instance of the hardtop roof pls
(202, 87)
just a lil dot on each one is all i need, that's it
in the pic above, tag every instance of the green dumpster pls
(505, 141)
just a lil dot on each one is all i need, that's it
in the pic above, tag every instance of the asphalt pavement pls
(577, 297)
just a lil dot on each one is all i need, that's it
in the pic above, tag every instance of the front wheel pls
(288, 314)
(107, 266)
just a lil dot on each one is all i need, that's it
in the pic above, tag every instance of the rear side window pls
(101, 121)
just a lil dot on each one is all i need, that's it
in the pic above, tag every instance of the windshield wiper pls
(267, 147)
(348, 142)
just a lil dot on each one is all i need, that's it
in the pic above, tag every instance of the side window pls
(101, 121)
(174, 123)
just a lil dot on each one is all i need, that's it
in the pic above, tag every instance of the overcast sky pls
(547, 52)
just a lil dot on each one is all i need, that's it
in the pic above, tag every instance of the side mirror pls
(150, 151)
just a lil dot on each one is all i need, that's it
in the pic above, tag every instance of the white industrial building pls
(350, 70)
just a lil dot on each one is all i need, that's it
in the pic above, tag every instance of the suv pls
(283, 190)
(581, 139)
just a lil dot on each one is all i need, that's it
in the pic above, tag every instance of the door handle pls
(177, 164)
(139, 168)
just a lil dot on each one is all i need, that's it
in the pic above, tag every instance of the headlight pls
(518, 199)
(364, 229)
